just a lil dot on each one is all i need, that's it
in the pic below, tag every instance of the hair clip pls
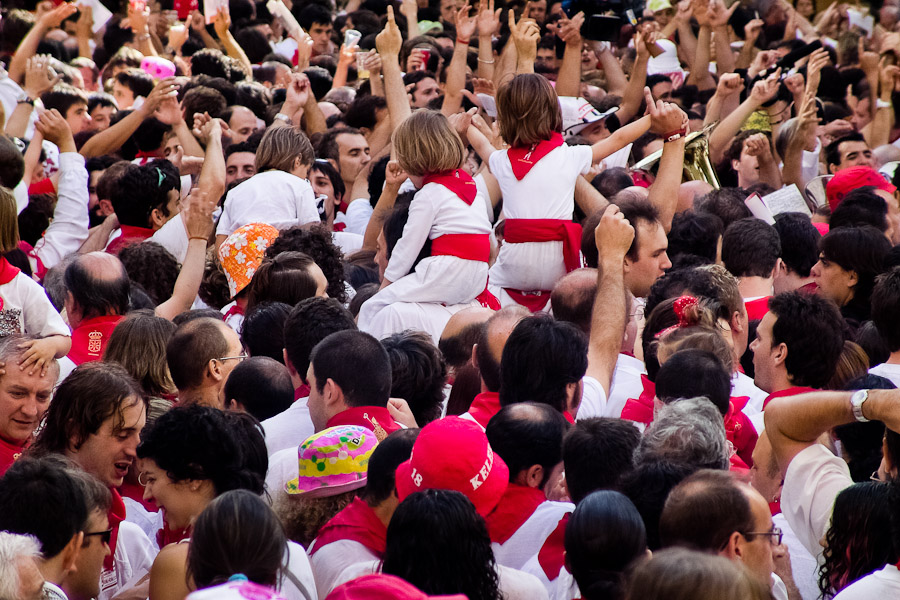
(685, 317)
(162, 177)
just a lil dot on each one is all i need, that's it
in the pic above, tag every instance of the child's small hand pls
(37, 355)
(394, 175)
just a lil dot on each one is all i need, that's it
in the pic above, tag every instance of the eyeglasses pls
(776, 535)
(105, 536)
(239, 357)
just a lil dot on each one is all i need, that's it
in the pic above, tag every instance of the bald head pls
(492, 340)
(689, 190)
(97, 286)
(461, 333)
(572, 298)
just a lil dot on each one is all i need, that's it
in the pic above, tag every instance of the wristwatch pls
(285, 118)
(856, 403)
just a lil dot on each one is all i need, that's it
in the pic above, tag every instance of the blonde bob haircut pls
(9, 222)
(426, 144)
(528, 110)
(280, 146)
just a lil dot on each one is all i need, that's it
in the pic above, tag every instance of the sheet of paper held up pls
(211, 8)
(787, 199)
(100, 13)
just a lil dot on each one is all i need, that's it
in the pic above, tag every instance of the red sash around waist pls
(468, 246)
(517, 231)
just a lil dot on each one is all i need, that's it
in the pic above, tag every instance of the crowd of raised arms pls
(410, 299)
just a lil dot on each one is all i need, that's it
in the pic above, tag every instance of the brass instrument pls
(697, 165)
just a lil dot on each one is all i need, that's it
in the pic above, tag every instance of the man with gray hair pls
(689, 432)
(20, 578)
(24, 397)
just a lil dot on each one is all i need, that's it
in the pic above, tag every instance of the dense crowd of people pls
(309, 300)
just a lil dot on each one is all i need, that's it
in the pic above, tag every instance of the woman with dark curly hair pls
(605, 535)
(317, 243)
(190, 456)
(859, 539)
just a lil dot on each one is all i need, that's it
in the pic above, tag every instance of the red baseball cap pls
(454, 454)
(379, 586)
(847, 180)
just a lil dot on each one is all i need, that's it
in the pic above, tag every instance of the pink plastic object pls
(157, 67)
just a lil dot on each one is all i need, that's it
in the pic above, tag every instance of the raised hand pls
(84, 24)
(488, 19)
(729, 83)
(525, 34)
(765, 89)
(718, 15)
(752, 30)
(570, 30)
(613, 235)
(178, 35)
(169, 111)
(394, 175)
(197, 214)
(465, 24)
(39, 75)
(758, 145)
(53, 128)
(389, 41)
(166, 88)
(664, 116)
(53, 18)
(222, 22)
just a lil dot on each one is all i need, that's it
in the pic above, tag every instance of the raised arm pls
(488, 24)
(613, 236)
(718, 21)
(111, 139)
(668, 118)
(170, 113)
(720, 138)
(751, 33)
(568, 80)
(84, 32)
(525, 35)
(140, 26)
(726, 90)
(388, 43)
(212, 174)
(198, 221)
(456, 72)
(232, 48)
(29, 44)
(792, 171)
(410, 10)
(39, 78)
(394, 177)
(69, 227)
(634, 91)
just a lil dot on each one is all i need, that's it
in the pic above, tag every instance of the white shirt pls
(804, 567)
(741, 385)
(626, 383)
(528, 539)
(330, 561)
(435, 211)
(400, 316)
(133, 559)
(880, 584)
(298, 566)
(274, 197)
(173, 237)
(348, 242)
(26, 309)
(282, 468)
(290, 428)
(69, 228)
(357, 216)
(813, 480)
(887, 371)
(546, 192)
(593, 400)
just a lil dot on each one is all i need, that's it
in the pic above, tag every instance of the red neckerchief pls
(44, 186)
(516, 506)
(357, 523)
(534, 301)
(136, 492)
(166, 536)
(809, 288)
(28, 249)
(10, 453)
(146, 157)
(7, 274)
(640, 409)
(552, 555)
(301, 392)
(116, 515)
(791, 391)
(338, 226)
(739, 430)
(488, 300)
(484, 406)
(234, 310)
(523, 158)
(757, 309)
(459, 182)
(89, 339)
(375, 418)
(130, 235)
